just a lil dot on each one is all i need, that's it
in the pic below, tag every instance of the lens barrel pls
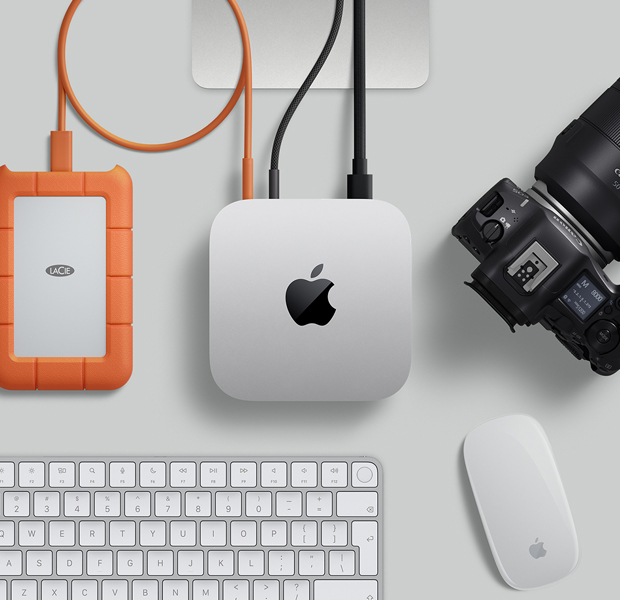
(582, 170)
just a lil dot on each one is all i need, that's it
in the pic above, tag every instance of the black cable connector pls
(359, 183)
(274, 173)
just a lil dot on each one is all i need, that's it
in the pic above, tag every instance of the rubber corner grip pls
(113, 370)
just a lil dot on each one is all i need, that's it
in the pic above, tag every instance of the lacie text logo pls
(60, 270)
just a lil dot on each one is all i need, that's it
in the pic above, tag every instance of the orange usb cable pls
(62, 140)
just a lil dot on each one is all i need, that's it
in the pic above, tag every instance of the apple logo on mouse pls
(537, 549)
(307, 301)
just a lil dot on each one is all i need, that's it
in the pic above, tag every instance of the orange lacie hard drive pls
(65, 280)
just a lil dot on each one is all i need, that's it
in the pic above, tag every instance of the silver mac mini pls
(310, 300)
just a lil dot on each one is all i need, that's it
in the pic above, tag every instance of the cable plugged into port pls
(274, 172)
(359, 183)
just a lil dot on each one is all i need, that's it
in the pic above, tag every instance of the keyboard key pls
(77, 504)
(319, 504)
(258, 504)
(334, 474)
(288, 504)
(296, 589)
(137, 504)
(160, 563)
(145, 590)
(92, 533)
(56, 589)
(206, 589)
(7, 533)
(107, 504)
(3, 590)
(364, 475)
(273, 533)
(312, 563)
(342, 562)
(364, 534)
(356, 504)
(183, 475)
(99, 563)
(228, 504)
(122, 475)
(281, 563)
(198, 504)
(38, 563)
(130, 563)
(252, 563)
(47, 504)
(122, 533)
(16, 504)
(236, 590)
(213, 474)
(182, 533)
(334, 533)
(114, 590)
(31, 533)
(84, 589)
(167, 504)
(304, 533)
(31, 474)
(62, 475)
(243, 533)
(273, 474)
(62, 533)
(191, 563)
(243, 475)
(69, 563)
(153, 533)
(152, 474)
(7, 475)
(266, 589)
(24, 590)
(92, 475)
(175, 590)
(10, 563)
(220, 562)
(304, 474)
(213, 533)
(344, 589)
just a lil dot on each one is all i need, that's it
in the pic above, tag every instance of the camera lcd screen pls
(583, 298)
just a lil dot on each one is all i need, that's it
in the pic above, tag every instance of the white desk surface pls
(505, 80)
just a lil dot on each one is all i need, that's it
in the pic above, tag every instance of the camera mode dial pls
(603, 336)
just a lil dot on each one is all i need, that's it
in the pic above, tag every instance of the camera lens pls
(582, 171)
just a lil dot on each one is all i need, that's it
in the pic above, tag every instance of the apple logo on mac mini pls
(308, 302)
(537, 549)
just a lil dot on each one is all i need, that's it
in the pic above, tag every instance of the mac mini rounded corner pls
(310, 300)
(522, 502)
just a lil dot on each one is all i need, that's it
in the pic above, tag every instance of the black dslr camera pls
(542, 252)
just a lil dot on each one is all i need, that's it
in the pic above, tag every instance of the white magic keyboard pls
(190, 529)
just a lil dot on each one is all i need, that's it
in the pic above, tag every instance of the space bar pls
(343, 589)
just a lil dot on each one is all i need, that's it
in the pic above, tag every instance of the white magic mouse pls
(522, 502)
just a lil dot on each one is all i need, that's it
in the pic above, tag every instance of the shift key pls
(356, 504)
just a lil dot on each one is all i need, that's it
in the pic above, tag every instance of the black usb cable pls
(359, 183)
(274, 173)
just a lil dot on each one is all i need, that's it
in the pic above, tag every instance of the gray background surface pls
(506, 77)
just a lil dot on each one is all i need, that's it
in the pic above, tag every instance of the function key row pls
(188, 475)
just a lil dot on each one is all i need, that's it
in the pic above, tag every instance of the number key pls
(228, 504)
(47, 504)
(77, 504)
(16, 504)
(198, 504)
(168, 504)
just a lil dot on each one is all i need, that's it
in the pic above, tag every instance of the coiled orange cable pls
(245, 83)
